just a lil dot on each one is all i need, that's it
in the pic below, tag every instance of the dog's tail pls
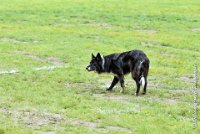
(141, 68)
(142, 81)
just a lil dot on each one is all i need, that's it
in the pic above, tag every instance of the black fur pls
(134, 61)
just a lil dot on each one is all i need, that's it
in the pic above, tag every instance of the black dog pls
(121, 64)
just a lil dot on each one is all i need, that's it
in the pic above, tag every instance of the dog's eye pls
(92, 63)
(95, 64)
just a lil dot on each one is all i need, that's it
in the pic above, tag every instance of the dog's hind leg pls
(136, 76)
(145, 80)
(137, 81)
(138, 87)
(114, 82)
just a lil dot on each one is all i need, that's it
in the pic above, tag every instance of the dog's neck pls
(106, 63)
(103, 63)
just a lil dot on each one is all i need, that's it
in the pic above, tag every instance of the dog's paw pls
(108, 89)
(136, 94)
(143, 93)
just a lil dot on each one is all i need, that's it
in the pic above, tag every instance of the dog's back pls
(126, 61)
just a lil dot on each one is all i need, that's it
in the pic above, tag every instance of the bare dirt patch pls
(148, 31)
(118, 129)
(97, 126)
(163, 45)
(32, 56)
(9, 71)
(151, 84)
(33, 119)
(79, 85)
(168, 54)
(48, 67)
(163, 100)
(96, 23)
(196, 29)
(54, 60)
(186, 79)
(82, 22)
(133, 109)
(122, 99)
(16, 41)
(57, 63)
(36, 119)
(51, 59)
(105, 82)
(85, 124)
(12, 40)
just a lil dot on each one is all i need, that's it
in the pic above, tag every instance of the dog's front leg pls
(114, 82)
(121, 79)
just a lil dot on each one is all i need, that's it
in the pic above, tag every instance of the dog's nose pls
(88, 68)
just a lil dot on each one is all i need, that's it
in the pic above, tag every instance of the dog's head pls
(96, 63)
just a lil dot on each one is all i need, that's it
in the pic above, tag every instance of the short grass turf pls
(46, 45)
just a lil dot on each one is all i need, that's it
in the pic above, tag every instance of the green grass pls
(68, 99)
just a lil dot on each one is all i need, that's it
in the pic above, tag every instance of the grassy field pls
(45, 46)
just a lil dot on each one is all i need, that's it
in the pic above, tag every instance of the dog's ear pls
(92, 55)
(98, 56)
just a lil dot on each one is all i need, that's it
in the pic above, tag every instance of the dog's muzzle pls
(90, 68)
